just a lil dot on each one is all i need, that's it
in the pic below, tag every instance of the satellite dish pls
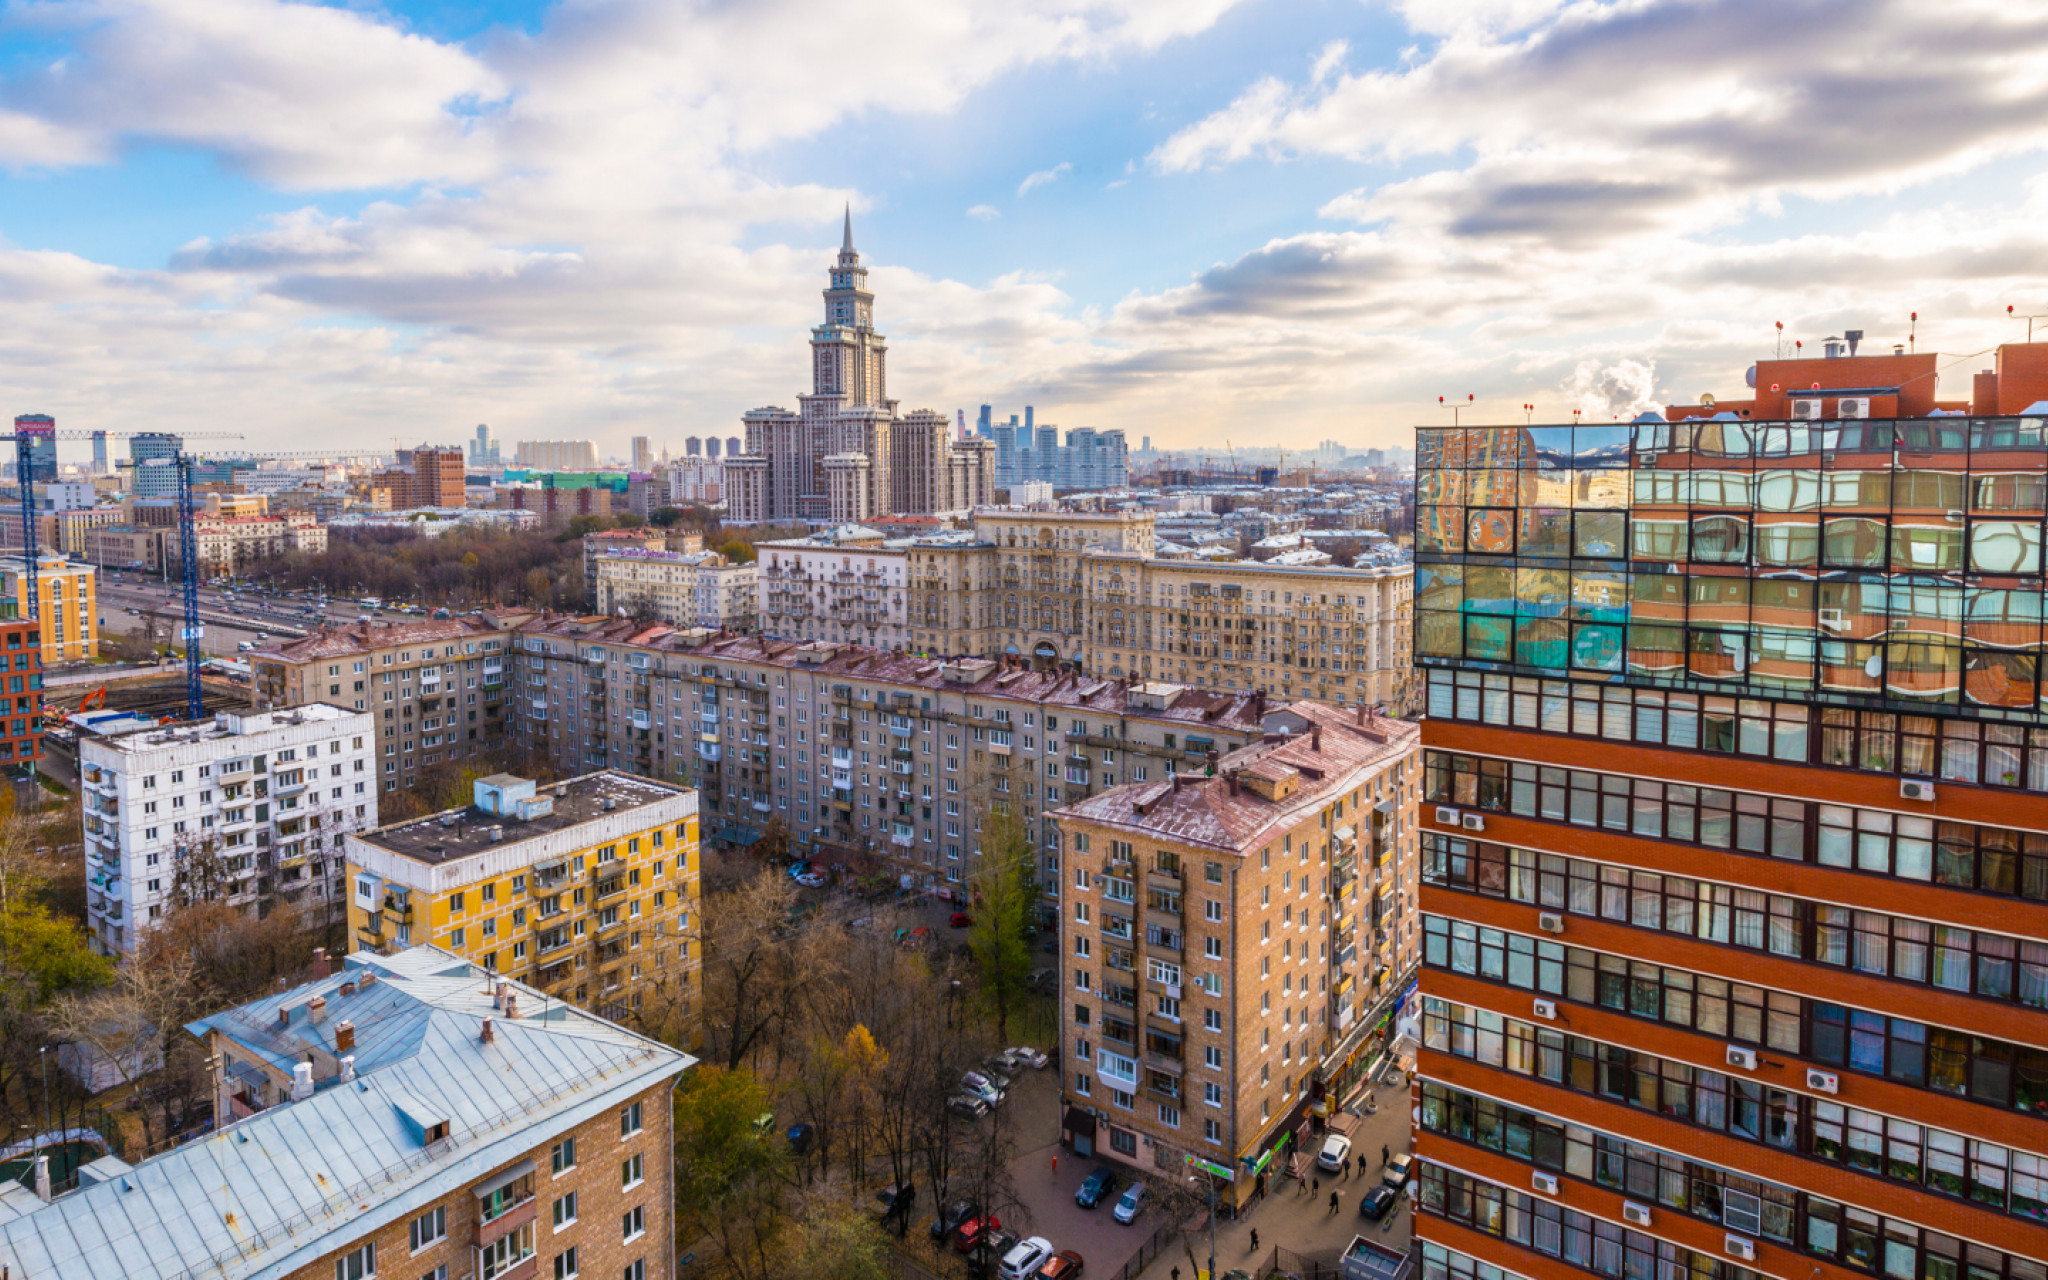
(1707, 399)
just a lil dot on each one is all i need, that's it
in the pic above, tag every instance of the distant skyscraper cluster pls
(483, 451)
(846, 454)
(1031, 451)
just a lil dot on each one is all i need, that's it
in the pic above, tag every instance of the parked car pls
(1398, 1170)
(811, 880)
(1130, 1205)
(970, 1105)
(960, 920)
(1064, 1265)
(916, 938)
(1095, 1187)
(1045, 980)
(997, 1069)
(1335, 1155)
(798, 870)
(1377, 1201)
(896, 1199)
(950, 1217)
(1025, 1258)
(974, 1229)
(1025, 1056)
(976, 1083)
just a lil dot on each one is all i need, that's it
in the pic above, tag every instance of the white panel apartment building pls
(245, 808)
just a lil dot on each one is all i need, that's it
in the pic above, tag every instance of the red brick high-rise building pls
(427, 477)
(1735, 835)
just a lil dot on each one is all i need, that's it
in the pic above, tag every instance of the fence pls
(908, 1270)
(1285, 1264)
(1157, 1244)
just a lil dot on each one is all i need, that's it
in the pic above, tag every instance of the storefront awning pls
(1079, 1123)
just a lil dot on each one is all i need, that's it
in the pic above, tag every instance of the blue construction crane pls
(29, 428)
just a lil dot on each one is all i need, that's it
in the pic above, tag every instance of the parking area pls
(1103, 1243)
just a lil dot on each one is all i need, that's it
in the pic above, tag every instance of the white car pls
(1130, 1205)
(1028, 1057)
(1336, 1153)
(1025, 1258)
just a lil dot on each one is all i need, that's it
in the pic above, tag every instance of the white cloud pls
(985, 212)
(1044, 177)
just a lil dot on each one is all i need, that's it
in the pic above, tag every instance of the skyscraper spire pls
(846, 245)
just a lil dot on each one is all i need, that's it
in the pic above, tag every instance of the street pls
(121, 590)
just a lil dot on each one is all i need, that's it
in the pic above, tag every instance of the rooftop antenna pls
(1528, 414)
(2029, 319)
(1456, 407)
(1913, 332)
(1781, 340)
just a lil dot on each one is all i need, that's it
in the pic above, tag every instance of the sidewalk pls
(1296, 1218)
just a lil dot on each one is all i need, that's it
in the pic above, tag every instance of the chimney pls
(284, 1016)
(363, 983)
(348, 1067)
(1853, 337)
(321, 969)
(511, 1004)
(344, 1036)
(1232, 775)
(1361, 715)
(302, 1082)
(1315, 737)
(489, 1035)
(348, 988)
(316, 1008)
(498, 994)
(43, 1179)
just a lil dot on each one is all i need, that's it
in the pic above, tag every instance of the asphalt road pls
(120, 592)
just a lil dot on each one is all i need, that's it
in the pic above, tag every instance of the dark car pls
(896, 1199)
(1377, 1201)
(960, 920)
(951, 1217)
(1096, 1188)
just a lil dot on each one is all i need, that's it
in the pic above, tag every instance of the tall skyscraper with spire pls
(847, 455)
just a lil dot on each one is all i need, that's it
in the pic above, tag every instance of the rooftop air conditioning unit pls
(1741, 1057)
(1806, 409)
(1544, 1182)
(1550, 922)
(1911, 789)
(1852, 407)
(1823, 1081)
(1635, 1214)
(1446, 817)
(1739, 1247)
(1547, 1010)
(1473, 821)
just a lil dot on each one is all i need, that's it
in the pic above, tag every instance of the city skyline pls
(1212, 220)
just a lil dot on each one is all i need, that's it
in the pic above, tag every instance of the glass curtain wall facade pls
(1735, 852)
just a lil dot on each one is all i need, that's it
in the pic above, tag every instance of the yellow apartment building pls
(586, 890)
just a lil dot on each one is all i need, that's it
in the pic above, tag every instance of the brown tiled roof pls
(1221, 814)
(361, 637)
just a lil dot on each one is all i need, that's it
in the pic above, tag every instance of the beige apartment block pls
(689, 589)
(1234, 945)
(435, 690)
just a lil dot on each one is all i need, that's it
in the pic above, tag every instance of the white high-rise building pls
(846, 455)
(247, 808)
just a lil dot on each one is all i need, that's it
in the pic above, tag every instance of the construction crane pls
(26, 433)
(188, 559)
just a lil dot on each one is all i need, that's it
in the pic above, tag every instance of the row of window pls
(1960, 855)
(1922, 746)
(1942, 1059)
(1948, 957)
(1846, 1137)
(2017, 442)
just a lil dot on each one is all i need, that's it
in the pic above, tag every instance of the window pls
(630, 1172)
(357, 1264)
(634, 1223)
(565, 1210)
(635, 1270)
(564, 1156)
(629, 1121)
(565, 1264)
(429, 1227)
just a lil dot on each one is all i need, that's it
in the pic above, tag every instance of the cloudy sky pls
(1278, 221)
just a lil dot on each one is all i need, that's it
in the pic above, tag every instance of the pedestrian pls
(1333, 1202)
(1176, 1273)
(1255, 1239)
(1055, 1164)
(1361, 1164)
(1384, 1153)
(1316, 1185)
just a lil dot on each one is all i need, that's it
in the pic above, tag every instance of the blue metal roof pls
(272, 1193)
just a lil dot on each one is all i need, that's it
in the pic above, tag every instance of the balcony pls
(509, 1219)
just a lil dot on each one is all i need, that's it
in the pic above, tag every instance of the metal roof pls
(272, 1193)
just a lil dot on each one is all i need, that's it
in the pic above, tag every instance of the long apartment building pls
(584, 889)
(1236, 944)
(1086, 588)
(249, 809)
(851, 750)
(435, 689)
(1734, 841)
(688, 588)
(410, 1116)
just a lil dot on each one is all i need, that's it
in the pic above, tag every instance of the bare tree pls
(751, 972)
(138, 1025)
